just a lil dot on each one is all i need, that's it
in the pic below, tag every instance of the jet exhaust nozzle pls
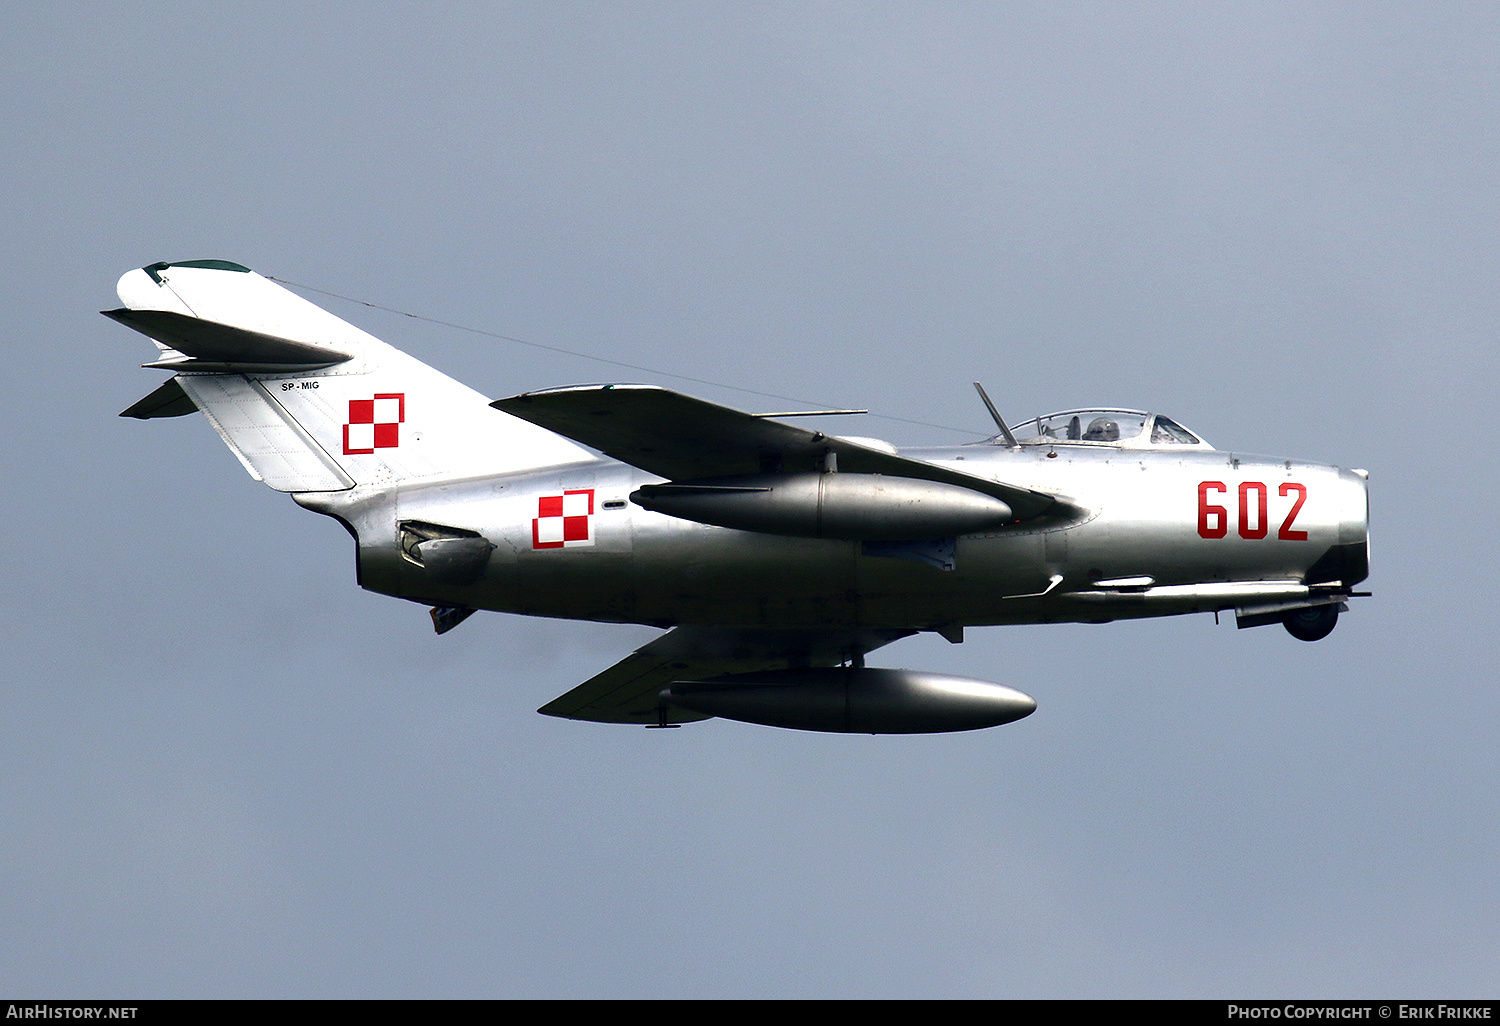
(854, 700)
(855, 507)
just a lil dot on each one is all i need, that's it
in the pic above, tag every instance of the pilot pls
(1102, 429)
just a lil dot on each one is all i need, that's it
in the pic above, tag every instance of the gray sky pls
(226, 771)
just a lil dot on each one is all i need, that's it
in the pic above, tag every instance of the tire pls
(1313, 624)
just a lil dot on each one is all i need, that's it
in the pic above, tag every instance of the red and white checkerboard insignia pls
(374, 423)
(564, 521)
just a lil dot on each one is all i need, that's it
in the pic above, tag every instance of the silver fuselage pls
(1160, 533)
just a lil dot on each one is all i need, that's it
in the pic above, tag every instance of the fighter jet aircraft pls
(777, 557)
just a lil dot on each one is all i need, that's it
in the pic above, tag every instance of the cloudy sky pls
(226, 771)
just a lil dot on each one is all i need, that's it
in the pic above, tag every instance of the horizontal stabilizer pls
(167, 401)
(222, 347)
(683, 439)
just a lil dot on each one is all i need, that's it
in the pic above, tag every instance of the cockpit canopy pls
(1123, 429)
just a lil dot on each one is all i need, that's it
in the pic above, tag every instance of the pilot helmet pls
(1102, 429)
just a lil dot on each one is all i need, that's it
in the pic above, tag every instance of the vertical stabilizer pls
(309, 402)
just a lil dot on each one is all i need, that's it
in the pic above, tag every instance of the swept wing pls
(628, 691)
(681, 438)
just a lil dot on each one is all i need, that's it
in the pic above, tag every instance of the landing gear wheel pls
(1313, 624)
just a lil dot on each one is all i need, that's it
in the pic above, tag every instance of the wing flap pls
(681, 438)
(628, 691)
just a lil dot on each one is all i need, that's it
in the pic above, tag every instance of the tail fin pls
(307, 401)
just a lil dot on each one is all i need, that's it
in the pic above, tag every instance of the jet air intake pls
(854, 700)
(854, 507)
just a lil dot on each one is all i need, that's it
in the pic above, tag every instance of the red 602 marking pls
(1259, 530)
(1286, 533)
(1213, 519)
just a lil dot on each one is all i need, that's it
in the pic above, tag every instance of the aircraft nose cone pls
(1354, 525)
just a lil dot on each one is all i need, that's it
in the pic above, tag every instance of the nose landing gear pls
(1313, 624)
